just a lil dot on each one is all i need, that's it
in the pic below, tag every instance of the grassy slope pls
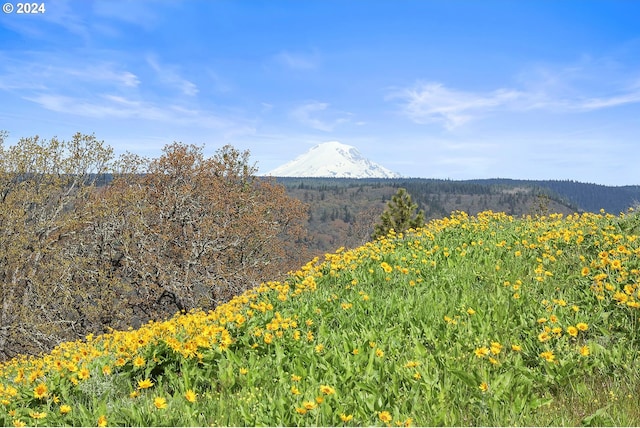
(484, 320)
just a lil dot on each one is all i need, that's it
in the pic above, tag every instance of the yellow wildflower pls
(38, 415)
(481, 352)
(160, 402)
(102, 421)
(544, 336)
(385, 416)
(145, 383)
(327, 390)
(84, 373)
(40, 391)
(582, 326)
(345, 418)
(548, 355)
(190, 396)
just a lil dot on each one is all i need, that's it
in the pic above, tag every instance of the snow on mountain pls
(332, 159)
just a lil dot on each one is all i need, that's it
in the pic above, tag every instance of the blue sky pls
(439, 89)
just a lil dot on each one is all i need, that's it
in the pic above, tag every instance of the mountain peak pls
(332, 159)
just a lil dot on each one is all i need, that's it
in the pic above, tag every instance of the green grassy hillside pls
(485, 320)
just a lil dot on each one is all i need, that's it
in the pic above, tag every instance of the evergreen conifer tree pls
(401, 214)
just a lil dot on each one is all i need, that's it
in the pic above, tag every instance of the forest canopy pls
(90, 242)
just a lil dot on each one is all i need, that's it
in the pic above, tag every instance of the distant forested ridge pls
(342, 211)
(587, 196)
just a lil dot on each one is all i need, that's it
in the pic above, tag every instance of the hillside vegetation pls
(342, 211)
(587, 196)
(471, 320)
(90, 242)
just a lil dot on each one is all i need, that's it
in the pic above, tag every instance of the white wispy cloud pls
(590, 84)
(560, 91)
(83, 19)
(43, 73)
(588, 104)
(105, 90)
(146, 14)
(109, 106)
(170, 76)
(63, 17)
(433, 102)
(104, 73)
(316, 115)
(298, 61)
(217, 82)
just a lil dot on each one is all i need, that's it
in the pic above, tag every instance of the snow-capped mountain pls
(332, 159)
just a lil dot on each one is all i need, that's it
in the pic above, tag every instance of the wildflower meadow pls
(483, 320)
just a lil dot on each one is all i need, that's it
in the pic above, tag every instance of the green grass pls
(484, 320)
